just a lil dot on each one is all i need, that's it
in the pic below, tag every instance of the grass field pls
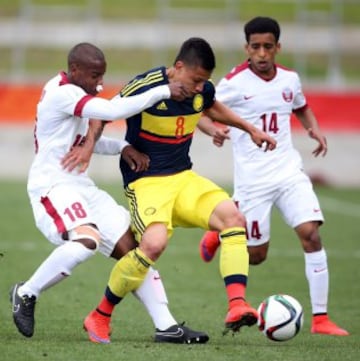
(195, 291)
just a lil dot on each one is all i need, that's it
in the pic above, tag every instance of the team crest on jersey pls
(150, 211)
(288, 95)
(198, 102)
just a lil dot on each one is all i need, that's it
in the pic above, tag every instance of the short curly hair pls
(261, 25)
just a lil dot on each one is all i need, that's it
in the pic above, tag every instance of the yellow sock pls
(129, 272)
(234, 256)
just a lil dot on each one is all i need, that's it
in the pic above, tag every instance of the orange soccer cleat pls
(240, 315)
(98, 327)
(208, 245)
(321, 324)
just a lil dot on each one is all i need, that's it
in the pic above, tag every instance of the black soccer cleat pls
(181, 334)
(23, 309)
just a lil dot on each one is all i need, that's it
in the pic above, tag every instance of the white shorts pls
(295, 199)
(66, 207)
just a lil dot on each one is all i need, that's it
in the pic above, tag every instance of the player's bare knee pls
(154, 240)
(235, 219)
(309, 236)
(315, 236)
(241, 219)
(152, 249)
(311, 241)
(226, 215)
(86, 234)
(258, 254)
(256, 258)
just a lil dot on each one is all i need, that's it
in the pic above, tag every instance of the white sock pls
(316, 270)
(56, 267)
(152, 294)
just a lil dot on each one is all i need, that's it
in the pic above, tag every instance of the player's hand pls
(221, 134)
(79, 156)
(178, 91)
(322, 148)
(259, 138)
(138, 162)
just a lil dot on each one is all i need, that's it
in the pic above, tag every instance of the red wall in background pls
(336, 111)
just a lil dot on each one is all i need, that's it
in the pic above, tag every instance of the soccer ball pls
(280, 317)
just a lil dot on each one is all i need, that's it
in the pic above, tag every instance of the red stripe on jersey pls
(81, 103)
(52, 212)
(64, 79)
(154, 138)
(237, 70)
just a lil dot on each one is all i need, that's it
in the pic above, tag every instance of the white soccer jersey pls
(62, 121)
(59, 126)
(63, 200)
(268, 106)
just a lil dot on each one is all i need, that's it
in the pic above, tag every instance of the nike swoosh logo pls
(247, 97)
(15, 306)
(320, 270)
(179, 333)
(316, 210)
(157, 278)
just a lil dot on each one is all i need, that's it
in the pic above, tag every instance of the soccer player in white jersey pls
(68, 208)
(265, 94)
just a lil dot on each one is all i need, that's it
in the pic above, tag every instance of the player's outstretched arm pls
(123, 107)
(309, 122)
(219, 132)
(79, 156)
(223, 114)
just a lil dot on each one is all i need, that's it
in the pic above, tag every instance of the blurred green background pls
(283, 10)
(319, 37)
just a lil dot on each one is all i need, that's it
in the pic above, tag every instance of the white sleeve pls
(299, 98)
(109, 146)
(119, 108)
(225, 92)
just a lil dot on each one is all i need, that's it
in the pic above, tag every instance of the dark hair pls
(197, 52)
(261, 25)
(83, 53)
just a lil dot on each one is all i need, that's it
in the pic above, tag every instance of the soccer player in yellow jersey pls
(169, 194)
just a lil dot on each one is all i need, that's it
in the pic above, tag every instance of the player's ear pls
(178, 64)
(73, 67)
